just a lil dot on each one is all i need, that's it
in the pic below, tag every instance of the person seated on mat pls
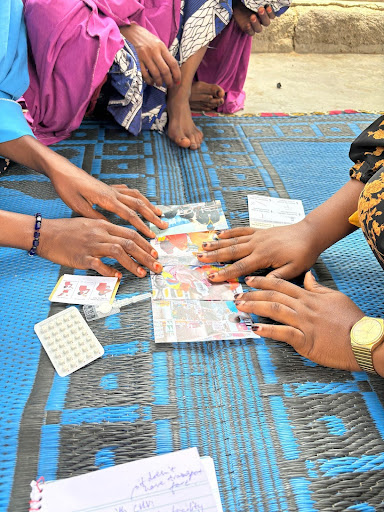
(76, 242)
(140, 58)
(316, 320)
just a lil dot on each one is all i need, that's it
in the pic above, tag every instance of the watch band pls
(364, 359)
(363, 349)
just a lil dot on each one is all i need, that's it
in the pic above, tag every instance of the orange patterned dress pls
(367, 151)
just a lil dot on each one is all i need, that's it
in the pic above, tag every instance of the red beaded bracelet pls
(36, 235)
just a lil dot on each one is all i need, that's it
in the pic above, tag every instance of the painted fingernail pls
(204, 244)
(219, 231)
(256, 328)
(212, 276)
(248, 278)
(261, 10)
(239, 302)
(200, 254)
(269, 9)
(119, 275)
(154, 254)
(158, 267)
(141, 272)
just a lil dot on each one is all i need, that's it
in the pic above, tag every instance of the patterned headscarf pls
(277, 5)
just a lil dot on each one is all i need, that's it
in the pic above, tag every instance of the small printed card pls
(267, 212)
(194, 320)
(74, 289)
(178, 282)
(189, 218)
(181, 249)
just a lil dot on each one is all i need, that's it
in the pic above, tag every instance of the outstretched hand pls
(316, 320)
(80, 192)
(157, 64)
(80, 243)
(290, 250)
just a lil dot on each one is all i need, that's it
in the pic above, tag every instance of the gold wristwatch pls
(366, 335)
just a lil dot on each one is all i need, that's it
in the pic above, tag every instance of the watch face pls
(367, 331)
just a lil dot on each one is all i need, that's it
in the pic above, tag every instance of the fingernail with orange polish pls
(119, 275)
(158, 267)
(212, 276)
(154, 254)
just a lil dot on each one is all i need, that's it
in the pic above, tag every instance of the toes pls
(219, 92)
(183, 142)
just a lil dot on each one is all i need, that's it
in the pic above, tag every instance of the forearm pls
(16, 230)
(30, 152)
(329, 221)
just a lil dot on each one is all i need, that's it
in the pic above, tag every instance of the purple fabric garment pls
(72, 45)
(226, 63)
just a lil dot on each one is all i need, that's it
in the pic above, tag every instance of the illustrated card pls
(74, 289)
(181, 249)
(267, 212)
(179, 282)
(194, 320)
(190, 218)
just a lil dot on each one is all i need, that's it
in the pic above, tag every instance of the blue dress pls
(14, 79)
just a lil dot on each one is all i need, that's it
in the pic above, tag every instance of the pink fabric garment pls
(226, 64)
(72, 44)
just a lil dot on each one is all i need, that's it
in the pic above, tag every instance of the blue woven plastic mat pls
(285, 434)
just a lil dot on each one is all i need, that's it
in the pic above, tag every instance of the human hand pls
(80, 192)
(316, 320)
(157, 64)
(290, 250)
(80, 243)
(250, 22)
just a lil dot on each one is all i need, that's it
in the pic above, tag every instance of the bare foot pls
(181, 129)
(205, 97)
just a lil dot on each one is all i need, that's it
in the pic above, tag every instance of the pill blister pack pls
(68, 341)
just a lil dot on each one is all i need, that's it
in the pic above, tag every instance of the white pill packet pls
(68, 341)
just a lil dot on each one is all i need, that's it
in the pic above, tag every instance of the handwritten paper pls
(175, 482)
(267, 212)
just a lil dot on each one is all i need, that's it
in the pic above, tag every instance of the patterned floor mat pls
(285, 434)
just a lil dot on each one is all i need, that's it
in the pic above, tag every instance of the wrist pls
(16, 230)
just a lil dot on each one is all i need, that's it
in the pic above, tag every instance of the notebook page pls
(210, 471)
(174, 482)
(266, 212)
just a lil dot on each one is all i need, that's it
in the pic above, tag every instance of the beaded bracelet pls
(36, 235)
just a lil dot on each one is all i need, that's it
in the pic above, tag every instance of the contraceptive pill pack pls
(68, 341)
